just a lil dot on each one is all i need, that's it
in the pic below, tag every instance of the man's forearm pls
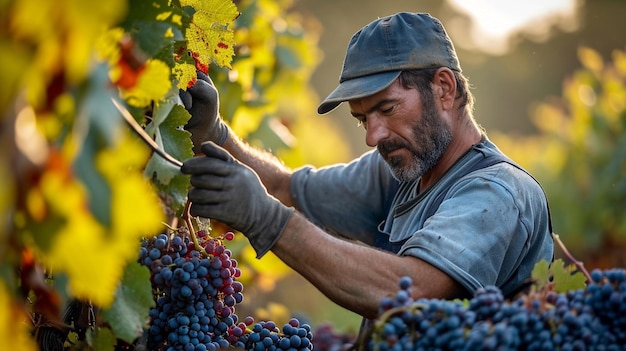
(353, 275)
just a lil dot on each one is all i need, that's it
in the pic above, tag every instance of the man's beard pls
(432, 135)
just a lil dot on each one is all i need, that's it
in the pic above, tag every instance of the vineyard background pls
(74, 195)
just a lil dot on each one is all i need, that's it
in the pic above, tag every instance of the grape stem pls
(579, 264)
(375, 331)
(192, 231)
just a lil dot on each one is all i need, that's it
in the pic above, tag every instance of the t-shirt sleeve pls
(348, 200)
(478, 235)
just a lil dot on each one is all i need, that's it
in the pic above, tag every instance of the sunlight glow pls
(495, 21)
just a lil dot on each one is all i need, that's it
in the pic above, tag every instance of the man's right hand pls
(202, 102)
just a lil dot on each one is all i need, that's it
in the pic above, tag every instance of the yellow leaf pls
(153, 84)
(184, 73)
(82, 250)
(92, 255)
(14, 324)
(247, 119)
(209, 35)
(136, 209)
(591, 59)
(60, 34)
(108, 45)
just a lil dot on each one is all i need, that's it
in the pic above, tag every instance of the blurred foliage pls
(579, 156)
(80, 189)
(267, 99)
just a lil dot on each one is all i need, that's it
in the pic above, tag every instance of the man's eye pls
(359, 123)
(388, 110)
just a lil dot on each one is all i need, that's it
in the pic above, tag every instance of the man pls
(428, 202)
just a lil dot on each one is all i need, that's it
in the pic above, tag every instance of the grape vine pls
(195, 287)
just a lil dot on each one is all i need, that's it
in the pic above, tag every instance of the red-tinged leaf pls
(128, 76)
(209, 34)
(192, 83)
(131, 64)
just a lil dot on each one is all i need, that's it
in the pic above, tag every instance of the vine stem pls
(192, 231)
(130, 120)
(144, 136)
(579, 264)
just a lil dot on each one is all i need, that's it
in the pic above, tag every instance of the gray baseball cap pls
(378, 52)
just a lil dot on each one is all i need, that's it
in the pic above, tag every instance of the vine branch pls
(579, 265)
(144, 136)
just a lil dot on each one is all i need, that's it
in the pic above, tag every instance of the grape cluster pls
(267, 336)
(593, 318)
(196, 291)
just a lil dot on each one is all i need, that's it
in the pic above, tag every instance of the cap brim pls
(357, 88)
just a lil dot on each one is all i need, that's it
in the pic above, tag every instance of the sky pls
(494, 21)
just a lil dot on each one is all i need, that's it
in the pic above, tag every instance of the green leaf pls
(128, 315)
(140, 10)
(175, 192)
(541, 273)
(103, 123)
(167, 130)
(566, 278)
(151, 36)
(103, 340)
(176, 140)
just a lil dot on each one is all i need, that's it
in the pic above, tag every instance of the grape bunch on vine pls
(195, 289)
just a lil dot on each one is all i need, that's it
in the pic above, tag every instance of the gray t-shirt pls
(491, 228)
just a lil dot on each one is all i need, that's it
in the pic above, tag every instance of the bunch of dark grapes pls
(196, 290)
(264, 335)
(593, 318)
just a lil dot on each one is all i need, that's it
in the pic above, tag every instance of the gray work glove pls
(230, 192)
(202, 102)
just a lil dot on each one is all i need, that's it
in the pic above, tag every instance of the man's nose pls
(376, 130)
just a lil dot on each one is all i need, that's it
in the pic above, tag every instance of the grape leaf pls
(129, 313)
(151, 36)
(144, 11)
(153, 83)
(102, 340)
(209, 35)
(566, 278)
(541, 273)
(176, 140)
(167, 131)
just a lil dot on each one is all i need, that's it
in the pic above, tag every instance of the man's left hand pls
(230, 192)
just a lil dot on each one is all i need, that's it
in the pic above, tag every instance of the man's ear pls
(445, 87)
